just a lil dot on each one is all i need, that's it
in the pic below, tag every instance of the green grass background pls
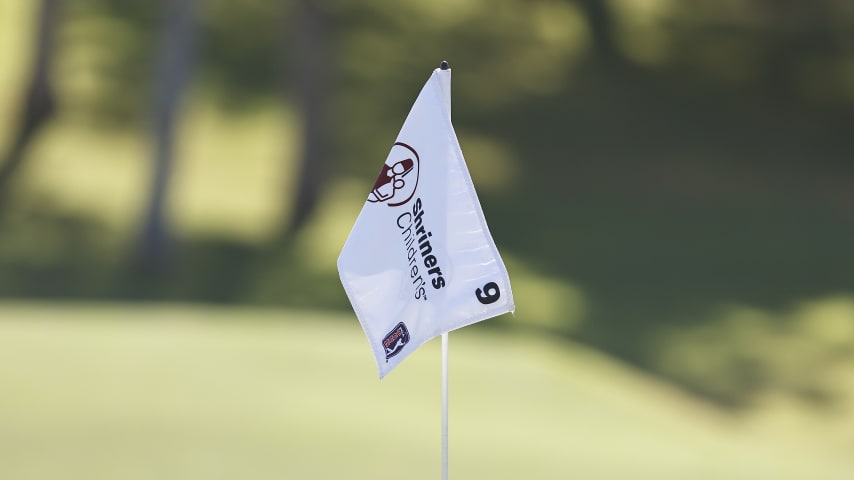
(191, 392)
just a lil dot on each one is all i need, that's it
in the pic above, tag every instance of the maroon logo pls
(398, 178)
(395, 340)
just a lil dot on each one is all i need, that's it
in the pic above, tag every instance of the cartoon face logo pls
(395, 340)
(398, 178)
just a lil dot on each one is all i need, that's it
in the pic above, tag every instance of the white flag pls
(420, 261)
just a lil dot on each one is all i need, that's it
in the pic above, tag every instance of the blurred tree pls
(600, 21)
(309, 47)
(39, 101)
(800, 33)
(173, 66)
(240, 60)
(664, 157)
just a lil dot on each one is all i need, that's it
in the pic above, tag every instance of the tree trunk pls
(601, 22)
(172, 69)
(310, 32)
(39, 103)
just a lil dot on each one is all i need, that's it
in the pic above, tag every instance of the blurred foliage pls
(104, 60)
(670, 181)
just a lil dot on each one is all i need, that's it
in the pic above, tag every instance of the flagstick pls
(444, 406)
(444, 66)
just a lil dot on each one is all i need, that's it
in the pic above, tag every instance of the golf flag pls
(420, 261)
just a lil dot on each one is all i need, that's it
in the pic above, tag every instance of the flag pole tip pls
(444, 65)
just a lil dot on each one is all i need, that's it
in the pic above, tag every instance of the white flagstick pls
(444, 66)
(444, 406)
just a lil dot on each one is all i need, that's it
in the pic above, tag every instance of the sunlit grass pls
(229, 178)
(80, 171)
(183, 392)
(234, 173)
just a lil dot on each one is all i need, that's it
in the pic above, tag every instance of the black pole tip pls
(444, 65)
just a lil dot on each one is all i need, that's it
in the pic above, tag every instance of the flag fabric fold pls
(420, 260)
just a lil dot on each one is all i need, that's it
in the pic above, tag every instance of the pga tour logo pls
(398, 178)
(395, 340)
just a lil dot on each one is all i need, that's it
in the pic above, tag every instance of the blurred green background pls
(670, 183)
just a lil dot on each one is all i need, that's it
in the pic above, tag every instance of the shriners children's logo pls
(395, 340)
(398, 178)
